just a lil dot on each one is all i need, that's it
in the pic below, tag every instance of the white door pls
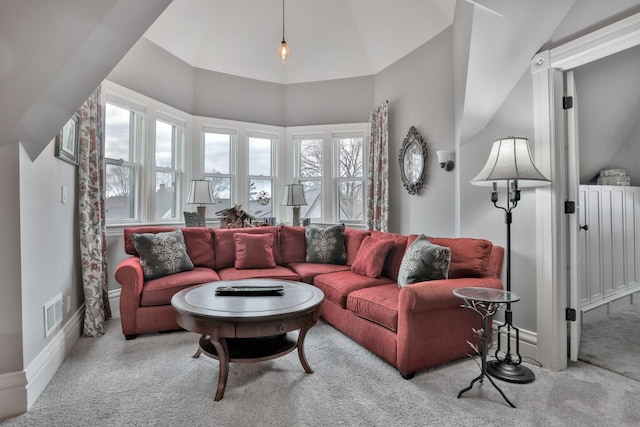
(573, 182)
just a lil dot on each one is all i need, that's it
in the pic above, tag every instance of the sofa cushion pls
(199, 242)
(278, 272)
(424, 261)
(469, 257)
(224, 244)
(378, 304)
(326, 245)
(162, 254)
(254, 251)
(371, 256)
(159, 291)
(336, 286)
(394, 259)
(293, 244)
(308, 270)
(352, 240)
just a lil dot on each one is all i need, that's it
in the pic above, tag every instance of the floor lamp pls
(509, 164)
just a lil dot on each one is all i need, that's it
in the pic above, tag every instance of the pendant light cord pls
(283, 20)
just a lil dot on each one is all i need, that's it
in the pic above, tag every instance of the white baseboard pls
(13, 394)
(114, 302)
(19, 390)
(42, 369)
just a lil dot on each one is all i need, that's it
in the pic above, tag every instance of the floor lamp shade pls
(200, 194)
(294, 196)
(509, 163)
(510, 160)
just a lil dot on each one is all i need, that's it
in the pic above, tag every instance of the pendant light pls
(283, 50)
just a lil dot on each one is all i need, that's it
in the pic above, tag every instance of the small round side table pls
(485, 302)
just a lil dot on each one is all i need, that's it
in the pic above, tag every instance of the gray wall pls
(608, 105)
(419, 88)
(480, 219)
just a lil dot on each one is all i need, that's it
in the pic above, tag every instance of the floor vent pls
(52, 314)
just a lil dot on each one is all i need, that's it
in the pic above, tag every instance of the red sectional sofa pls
(412, 328)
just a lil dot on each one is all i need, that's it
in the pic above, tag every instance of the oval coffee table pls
(246, 329)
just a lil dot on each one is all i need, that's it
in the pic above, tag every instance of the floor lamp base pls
(509, 372)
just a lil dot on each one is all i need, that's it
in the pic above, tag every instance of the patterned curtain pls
(378, 179)
(91, 213)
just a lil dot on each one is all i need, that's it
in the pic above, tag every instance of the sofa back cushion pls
(371, 256)
(254, 251)
(198, 240)
(293, 244)
(469, 257)
(353, 238)
(394, 258)
(225, 247)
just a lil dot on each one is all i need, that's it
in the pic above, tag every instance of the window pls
(218, 150)
(350, 179)
(168, 169)
(330, 164)
(309, 173)
(124, 134)
(261, 176)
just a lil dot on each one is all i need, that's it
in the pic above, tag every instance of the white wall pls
(49, 244)
(419, 88)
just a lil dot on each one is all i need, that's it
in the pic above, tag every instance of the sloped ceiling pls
(329, 39)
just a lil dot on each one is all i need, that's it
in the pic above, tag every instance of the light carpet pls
(153, 380)
(614, 343)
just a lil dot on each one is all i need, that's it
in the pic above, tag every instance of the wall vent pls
(52, 314)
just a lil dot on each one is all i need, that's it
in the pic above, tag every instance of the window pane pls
(350, 157)
(260, 156)
(220, 194)
(260, 200)
(217, 153)
(120, 192)
(310, 158)
(166, 195)
(117, 133)
(164, 145)
(351, 206)
(313, 196)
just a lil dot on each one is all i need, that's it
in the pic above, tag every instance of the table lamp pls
(200, 194)
(294, 196)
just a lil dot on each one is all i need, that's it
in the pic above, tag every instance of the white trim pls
(42, 369)
(547, 68)
(114, 302)
(13, 394)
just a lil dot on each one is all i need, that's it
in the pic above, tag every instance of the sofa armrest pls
(129, 275)
(438, 294)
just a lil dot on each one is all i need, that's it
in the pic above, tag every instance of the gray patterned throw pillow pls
(424, 261)
(326, 245)
(162, 254)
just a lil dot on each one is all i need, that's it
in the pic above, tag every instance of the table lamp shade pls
(510, 160)
(200, 192)
(293, 195)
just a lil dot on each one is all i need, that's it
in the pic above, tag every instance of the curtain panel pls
(378, 177)
(91, 214)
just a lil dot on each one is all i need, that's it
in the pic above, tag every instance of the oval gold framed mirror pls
(413, 156)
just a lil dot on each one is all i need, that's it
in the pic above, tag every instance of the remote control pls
(250, 290)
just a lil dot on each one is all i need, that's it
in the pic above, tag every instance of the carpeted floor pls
(153, 380)
(614, 343)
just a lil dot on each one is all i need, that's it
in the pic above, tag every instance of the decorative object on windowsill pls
(283, 50)
(294, 196)
(200, 194)
(413, 156)
(67, 141)
(263, 198)
(446, 159)
(235, 217)
(510, 164)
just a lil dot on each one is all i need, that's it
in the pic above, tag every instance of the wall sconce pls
(446, 159)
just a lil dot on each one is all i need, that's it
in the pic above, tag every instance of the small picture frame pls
(67, 141)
